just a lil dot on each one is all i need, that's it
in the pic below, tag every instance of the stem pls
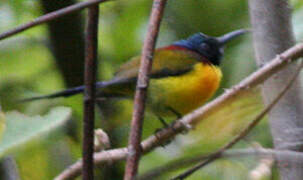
(50, 17)
(134, 146)
(289, 156)
(91, 48)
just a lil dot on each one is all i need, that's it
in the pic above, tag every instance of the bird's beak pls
(231, 35)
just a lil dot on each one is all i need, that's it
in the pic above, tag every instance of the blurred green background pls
(48, 58)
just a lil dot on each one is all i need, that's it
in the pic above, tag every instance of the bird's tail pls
(66, 92)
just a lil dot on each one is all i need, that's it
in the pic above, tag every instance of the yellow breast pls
(187, 92)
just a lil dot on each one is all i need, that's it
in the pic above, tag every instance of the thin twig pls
(262, 153)
(50, 16)
(156, 172)
(155, 141)
(134, 146)
(91, 47)
(243, 133)
(265, 153)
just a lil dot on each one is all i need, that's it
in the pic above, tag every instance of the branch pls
(171, 166)
(91, 48)
(265, 153)
(243, 133)
(134, 147)
(234, 153)
(50, 16)
(153, 141)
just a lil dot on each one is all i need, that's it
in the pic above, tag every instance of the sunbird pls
(184, 75)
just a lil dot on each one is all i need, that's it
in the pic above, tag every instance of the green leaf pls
(21, 129)
(228, 119)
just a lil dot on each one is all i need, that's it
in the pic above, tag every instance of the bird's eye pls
(205, 46)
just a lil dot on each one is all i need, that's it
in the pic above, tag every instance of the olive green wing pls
(165, 63)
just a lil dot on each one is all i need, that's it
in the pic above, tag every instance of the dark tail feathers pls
(66, 93)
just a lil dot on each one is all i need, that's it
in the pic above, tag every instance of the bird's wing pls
(166, 62)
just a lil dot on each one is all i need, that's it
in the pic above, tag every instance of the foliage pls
(21, 129)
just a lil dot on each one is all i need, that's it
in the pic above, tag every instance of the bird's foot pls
(165, 126)
(186, 127)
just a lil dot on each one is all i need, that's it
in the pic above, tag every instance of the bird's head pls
(210, 47)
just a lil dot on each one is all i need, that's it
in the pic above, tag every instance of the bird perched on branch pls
(184, 75)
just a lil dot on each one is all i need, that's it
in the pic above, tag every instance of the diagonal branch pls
(243, 133)
(288, 156)
(134, 146)
(91, 47)
(152, 142)
(50, 16)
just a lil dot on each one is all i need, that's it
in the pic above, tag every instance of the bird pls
(184, 76)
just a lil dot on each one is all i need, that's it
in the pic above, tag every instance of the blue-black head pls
(210, 47)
